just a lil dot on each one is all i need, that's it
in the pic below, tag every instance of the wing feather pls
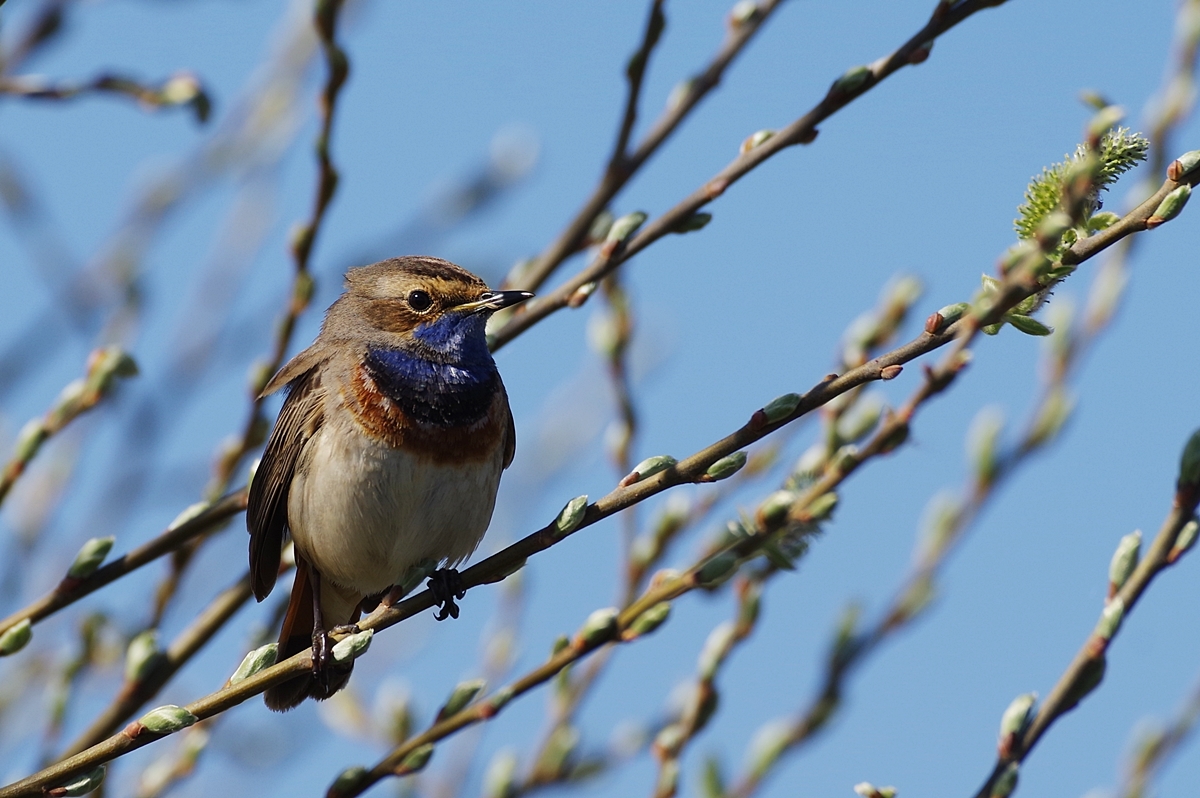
(266, 511)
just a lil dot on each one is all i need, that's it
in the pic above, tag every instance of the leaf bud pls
(1170, 206)
(648, 467)
(668, 741)
(648, 621)
(1184, 540)
(142, 656)
(775, 507)
(90, 557)
(868, 790)
(1189, 462)
(416, 760)
(982, 444)
(697, 221)
(571, 516)
(1055, 409)
(29, 440)
(755, 139)
(716, 648)
(188, 513)
(598, 627)
(726, 467)
(167, 719)
(945, 317)
(500, 780)
(821, 507)
(1104, 120)
(625, 226)
(462, 695)
(1124, 560)
(255, 661)
(352, 647)
(768, 743)
(717, 569)
(781, 407)
(1088, 680)
(1182, 166)
(1006, 782)
(742, 12)
(1110, 619)
(16, 637)
(1015, 720)
(680, 93)
(80, 785)
(851, 80)
(348, 780)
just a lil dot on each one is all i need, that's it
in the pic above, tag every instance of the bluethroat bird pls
(387, 452)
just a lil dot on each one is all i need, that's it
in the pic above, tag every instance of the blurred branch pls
(851, 85)
(145, 685)
(71, 590)
(47, 23)
(78, 397)
(623, 165)
(181, 89)
(1086, 670)
(325, 18)
(635, 71)
(1176, 99)
(703, 701)
(1155, 748)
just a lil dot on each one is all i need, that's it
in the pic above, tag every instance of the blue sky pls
(920, 176)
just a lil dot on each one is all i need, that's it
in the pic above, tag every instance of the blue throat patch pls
(449, 379)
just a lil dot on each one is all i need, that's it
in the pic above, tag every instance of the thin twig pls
(180, 90)
(613, 180)
(1086, 669)
(136, 693)
(71, 590)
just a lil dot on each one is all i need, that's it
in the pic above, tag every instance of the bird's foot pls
(322, 654)
(446, 584)
(345, 629)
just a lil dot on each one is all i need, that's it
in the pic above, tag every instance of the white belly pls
(363, 512)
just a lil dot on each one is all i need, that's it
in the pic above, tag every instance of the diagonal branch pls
(575, 233)
(853, 84)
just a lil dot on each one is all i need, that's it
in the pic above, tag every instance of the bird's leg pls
(446, 584)
(322, 646)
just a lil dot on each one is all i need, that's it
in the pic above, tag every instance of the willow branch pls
(845, 90)
(137, 692)
(79, 396)
(1087, 667)
(622, 166)
(71, 590)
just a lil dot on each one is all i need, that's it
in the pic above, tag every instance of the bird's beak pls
(494, 300)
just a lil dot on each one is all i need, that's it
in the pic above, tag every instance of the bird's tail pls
(297, 636)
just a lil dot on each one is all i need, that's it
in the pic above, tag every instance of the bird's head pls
(425, 305)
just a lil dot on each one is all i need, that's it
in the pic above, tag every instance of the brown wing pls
(266, 510)
(510, 433)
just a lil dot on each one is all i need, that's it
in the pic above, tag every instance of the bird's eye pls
(419, 301)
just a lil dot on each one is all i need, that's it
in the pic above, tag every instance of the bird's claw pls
(446, 585)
